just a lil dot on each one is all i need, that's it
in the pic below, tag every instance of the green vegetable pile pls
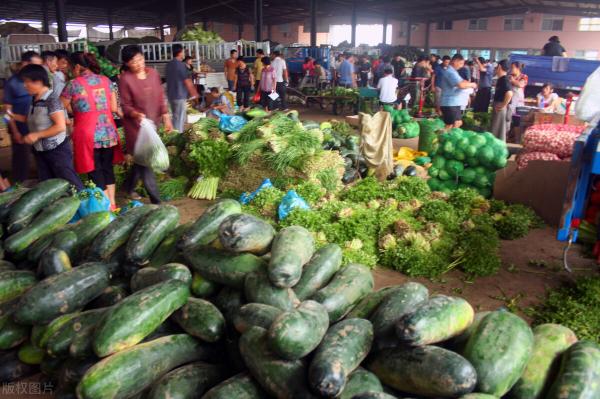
(467, 159)
(404, 127)
(576, 306)
(477, 121)
(173, 188)
(403, 225)
(106, 67)
(201, 36)
(211, 158)
(196, 311)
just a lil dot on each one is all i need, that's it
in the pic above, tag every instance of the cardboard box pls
(541, 118)
(352, 120)
(541, 185)
(410, 143)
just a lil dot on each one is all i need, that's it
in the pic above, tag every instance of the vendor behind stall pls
(217, 102)
(547, 99)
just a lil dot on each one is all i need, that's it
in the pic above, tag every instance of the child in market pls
(47, 128)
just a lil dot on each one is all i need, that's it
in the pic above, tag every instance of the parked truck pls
(214, 55)
(12, 46)
(565, 74)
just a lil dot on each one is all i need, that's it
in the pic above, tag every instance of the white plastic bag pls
(149, 149)
(587, 107)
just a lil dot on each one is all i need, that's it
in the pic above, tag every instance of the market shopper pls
(244, 80)
(347, 76)
(89, 97)
(258, 66)
(268, 84)
(320, 74)
(519, 81)
(387, 87)
(18, 100)
(279, 66)
(231, 65)
(62, 61)
(553, 48)
(503, 95)
(180, 87)
(422, 68)
(142, 96)
(364, 69)
(484, 90)
(45, 119)
(438, 71)
(453, 91)
(398, 64)
(383, 65)
(57, 84)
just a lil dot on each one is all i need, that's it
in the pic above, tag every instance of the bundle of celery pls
(204, 188)
(211, 157)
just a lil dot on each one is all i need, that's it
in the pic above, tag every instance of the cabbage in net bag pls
(149, 149)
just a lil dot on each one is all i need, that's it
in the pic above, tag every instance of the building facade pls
(494, 37)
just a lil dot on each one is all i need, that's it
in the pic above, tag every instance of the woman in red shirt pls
(91, 100)
(142, 96)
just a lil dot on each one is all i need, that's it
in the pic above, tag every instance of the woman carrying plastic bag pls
(142, 98)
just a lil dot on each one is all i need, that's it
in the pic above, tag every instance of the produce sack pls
(256, 98)
(524, 158)
(245, 198)
(376, 143)
(290, 201)
(552, 138)
(428, 134)
(92, 200)
(149, 149)
(587, 107)
(231, 123)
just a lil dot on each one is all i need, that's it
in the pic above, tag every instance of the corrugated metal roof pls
(153, 12)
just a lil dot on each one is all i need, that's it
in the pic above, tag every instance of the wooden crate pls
(4, 137)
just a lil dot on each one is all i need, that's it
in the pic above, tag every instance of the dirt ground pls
(530, 266)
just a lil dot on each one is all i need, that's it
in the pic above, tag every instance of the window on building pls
(403, 29)
(284, 28)
(444, 25)
(552, 23)
(513, 23)
(478, 24)
(589, 24)
(587, 54)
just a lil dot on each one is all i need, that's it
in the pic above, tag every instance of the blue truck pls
(565, 74)
(295, 56)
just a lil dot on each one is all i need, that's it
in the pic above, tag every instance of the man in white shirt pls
(281, 74)
(387, 88)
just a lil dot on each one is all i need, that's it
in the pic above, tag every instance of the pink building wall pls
(460, 37)
(495, 37)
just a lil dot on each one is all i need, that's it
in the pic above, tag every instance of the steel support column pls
(45, 19)
(385, 24)
(353, 23)
(408, 31)
(313, 23)
(109, 15)
(180, 18)
(258, 19)
(61, 20)
(240, 29)
(427, 33)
